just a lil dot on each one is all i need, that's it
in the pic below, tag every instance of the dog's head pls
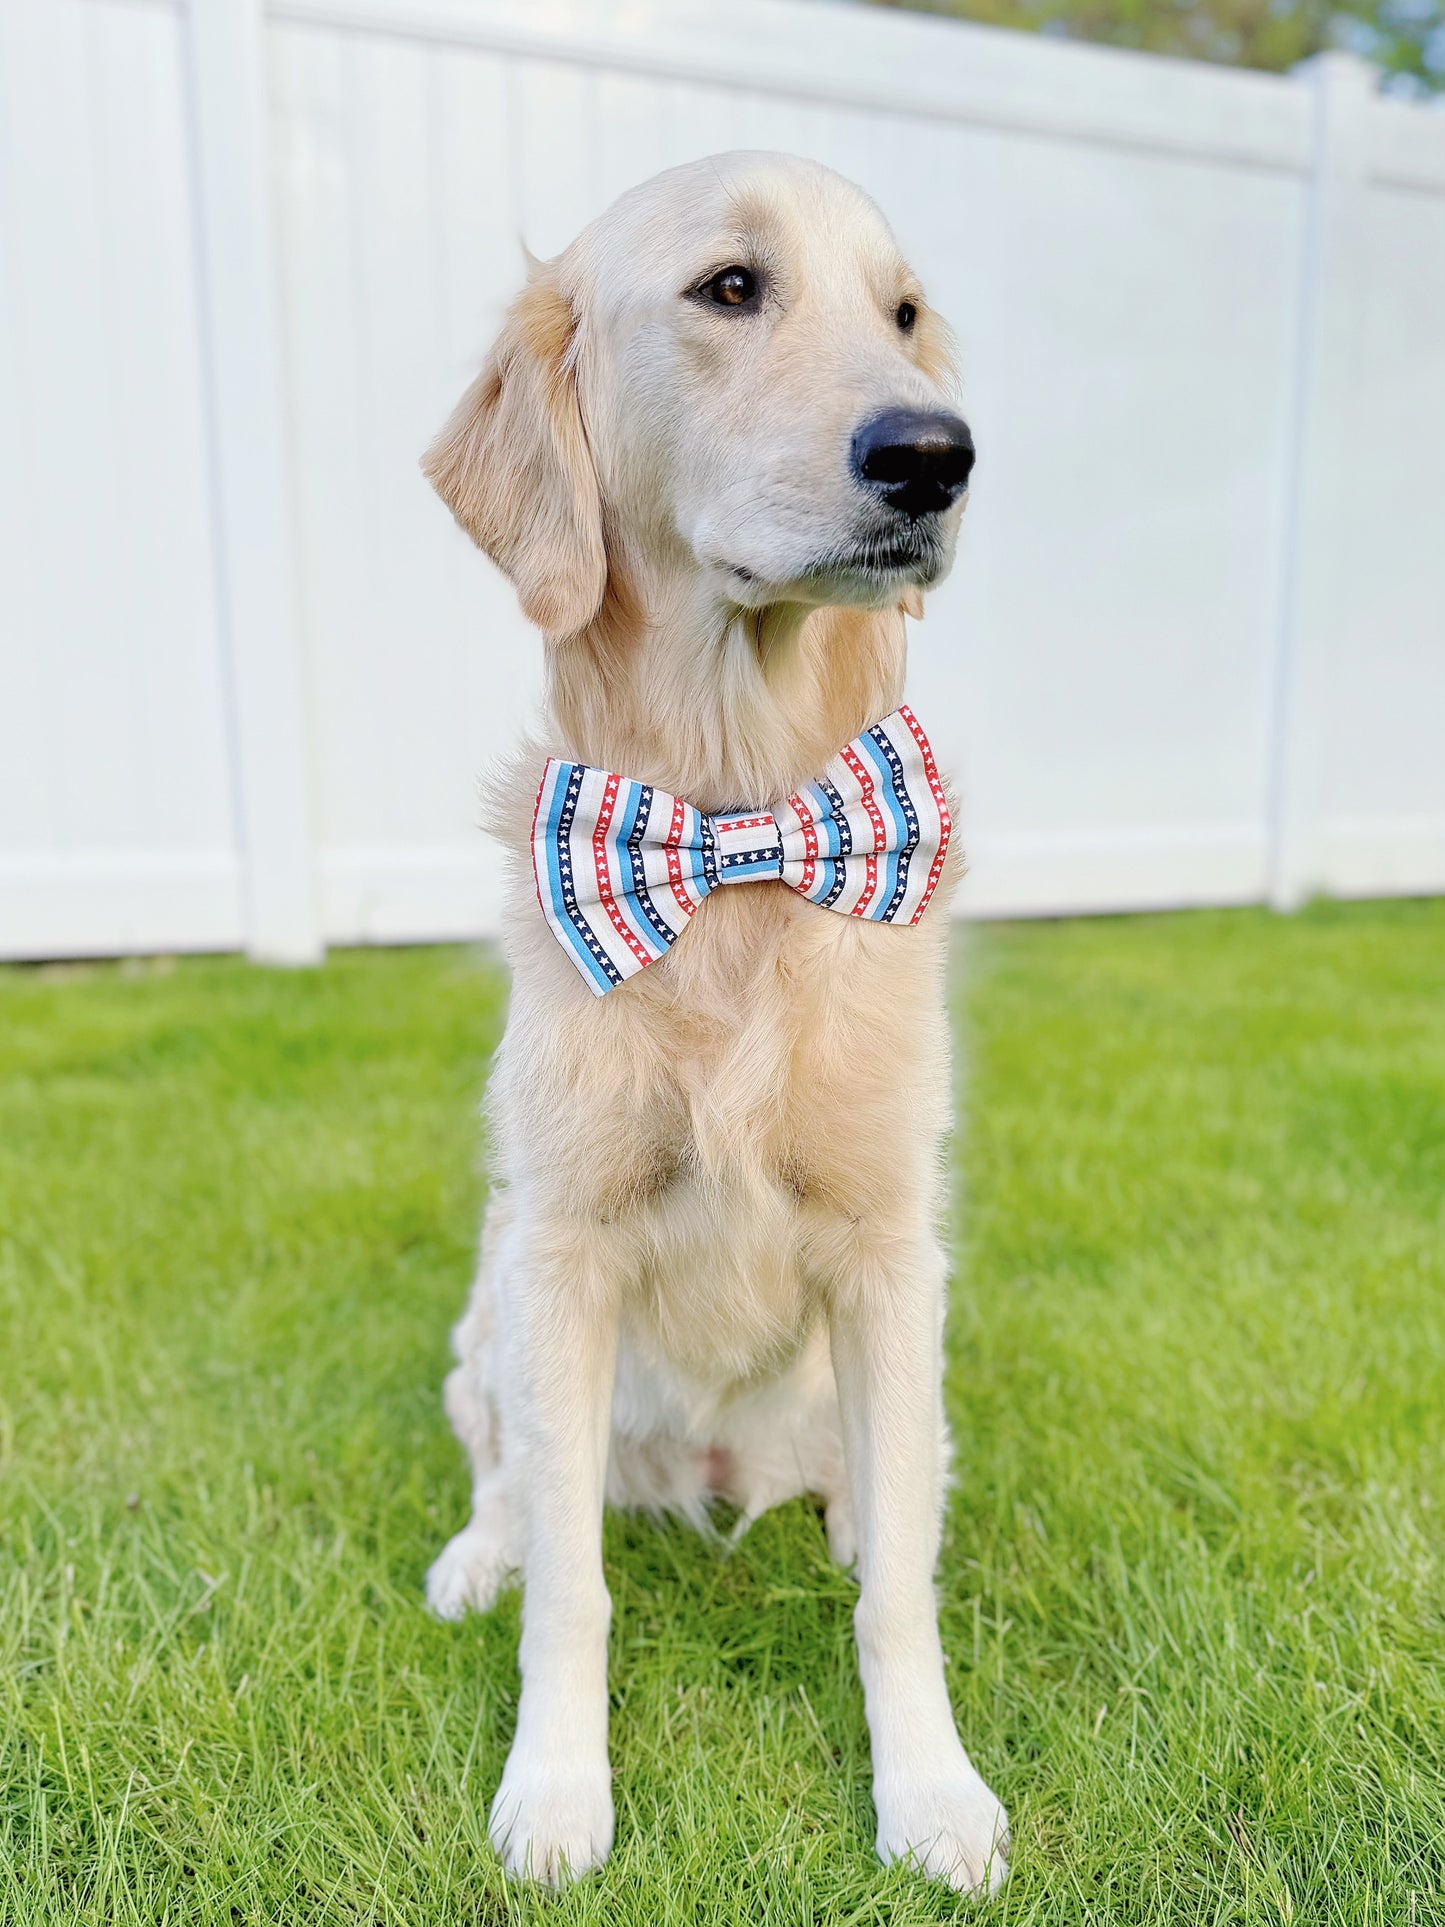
(732, 370)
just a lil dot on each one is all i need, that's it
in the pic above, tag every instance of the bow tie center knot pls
(746, 848)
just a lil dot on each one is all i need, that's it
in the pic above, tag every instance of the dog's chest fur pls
(780, 1075)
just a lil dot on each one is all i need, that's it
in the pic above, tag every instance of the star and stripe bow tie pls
(622, 866)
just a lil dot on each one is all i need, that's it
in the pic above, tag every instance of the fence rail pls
(251, 250)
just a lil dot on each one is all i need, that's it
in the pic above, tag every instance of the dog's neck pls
(721, 705)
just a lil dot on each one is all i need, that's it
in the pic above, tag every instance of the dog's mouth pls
(871, 566)
(917, 552)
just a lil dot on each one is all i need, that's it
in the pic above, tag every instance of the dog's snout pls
(917, 460)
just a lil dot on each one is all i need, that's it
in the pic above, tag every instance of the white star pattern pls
(621, 866)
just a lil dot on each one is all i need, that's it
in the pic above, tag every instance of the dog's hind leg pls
(474, 1566)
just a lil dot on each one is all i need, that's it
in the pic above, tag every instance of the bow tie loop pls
(747, 848)
(621, 866)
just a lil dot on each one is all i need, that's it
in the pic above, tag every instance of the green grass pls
(1193, 1586)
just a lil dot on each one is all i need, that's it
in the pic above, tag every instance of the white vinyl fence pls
(251, 251)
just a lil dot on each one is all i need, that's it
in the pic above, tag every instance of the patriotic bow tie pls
(621, 866)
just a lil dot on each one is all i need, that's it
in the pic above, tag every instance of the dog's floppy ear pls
(513, 466)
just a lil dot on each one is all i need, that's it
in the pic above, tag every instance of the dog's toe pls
(468, 1573)
(949, 1827)
(552, 1824)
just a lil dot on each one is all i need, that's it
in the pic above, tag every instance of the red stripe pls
(875, 818)
(810, 841)
(945, 821)
(604, 880)
(536, 812)
(674, 868)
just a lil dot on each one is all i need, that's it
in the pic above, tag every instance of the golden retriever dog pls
(713, 451)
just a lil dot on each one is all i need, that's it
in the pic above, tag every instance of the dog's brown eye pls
(906, 316)
(732, 288)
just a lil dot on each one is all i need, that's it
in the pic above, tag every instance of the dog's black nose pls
(917, 461)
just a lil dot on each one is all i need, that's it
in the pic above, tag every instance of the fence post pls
(251, 513)
(1317, 529)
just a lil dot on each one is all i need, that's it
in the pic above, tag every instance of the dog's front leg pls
(552, 1816)
(933, 1808)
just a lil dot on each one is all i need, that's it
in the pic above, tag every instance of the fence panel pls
(117, 825)
(249, 672)
(1385, 822)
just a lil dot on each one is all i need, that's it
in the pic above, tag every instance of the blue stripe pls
(598, 967)
(827, 834)
(885, 761)
(841, 838)
(641, 897)
(910, 810)
(615, 847)
(746, 864)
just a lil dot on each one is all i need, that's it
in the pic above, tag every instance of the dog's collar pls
(622, 866)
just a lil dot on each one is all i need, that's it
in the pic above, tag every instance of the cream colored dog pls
(711, 450)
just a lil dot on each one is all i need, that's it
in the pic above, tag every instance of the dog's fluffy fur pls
(711, 1261)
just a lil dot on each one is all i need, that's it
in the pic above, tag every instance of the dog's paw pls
(469, 1572)
(948, 1825)
(552, 1823)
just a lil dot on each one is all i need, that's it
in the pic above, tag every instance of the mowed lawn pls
(1193, 1588)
